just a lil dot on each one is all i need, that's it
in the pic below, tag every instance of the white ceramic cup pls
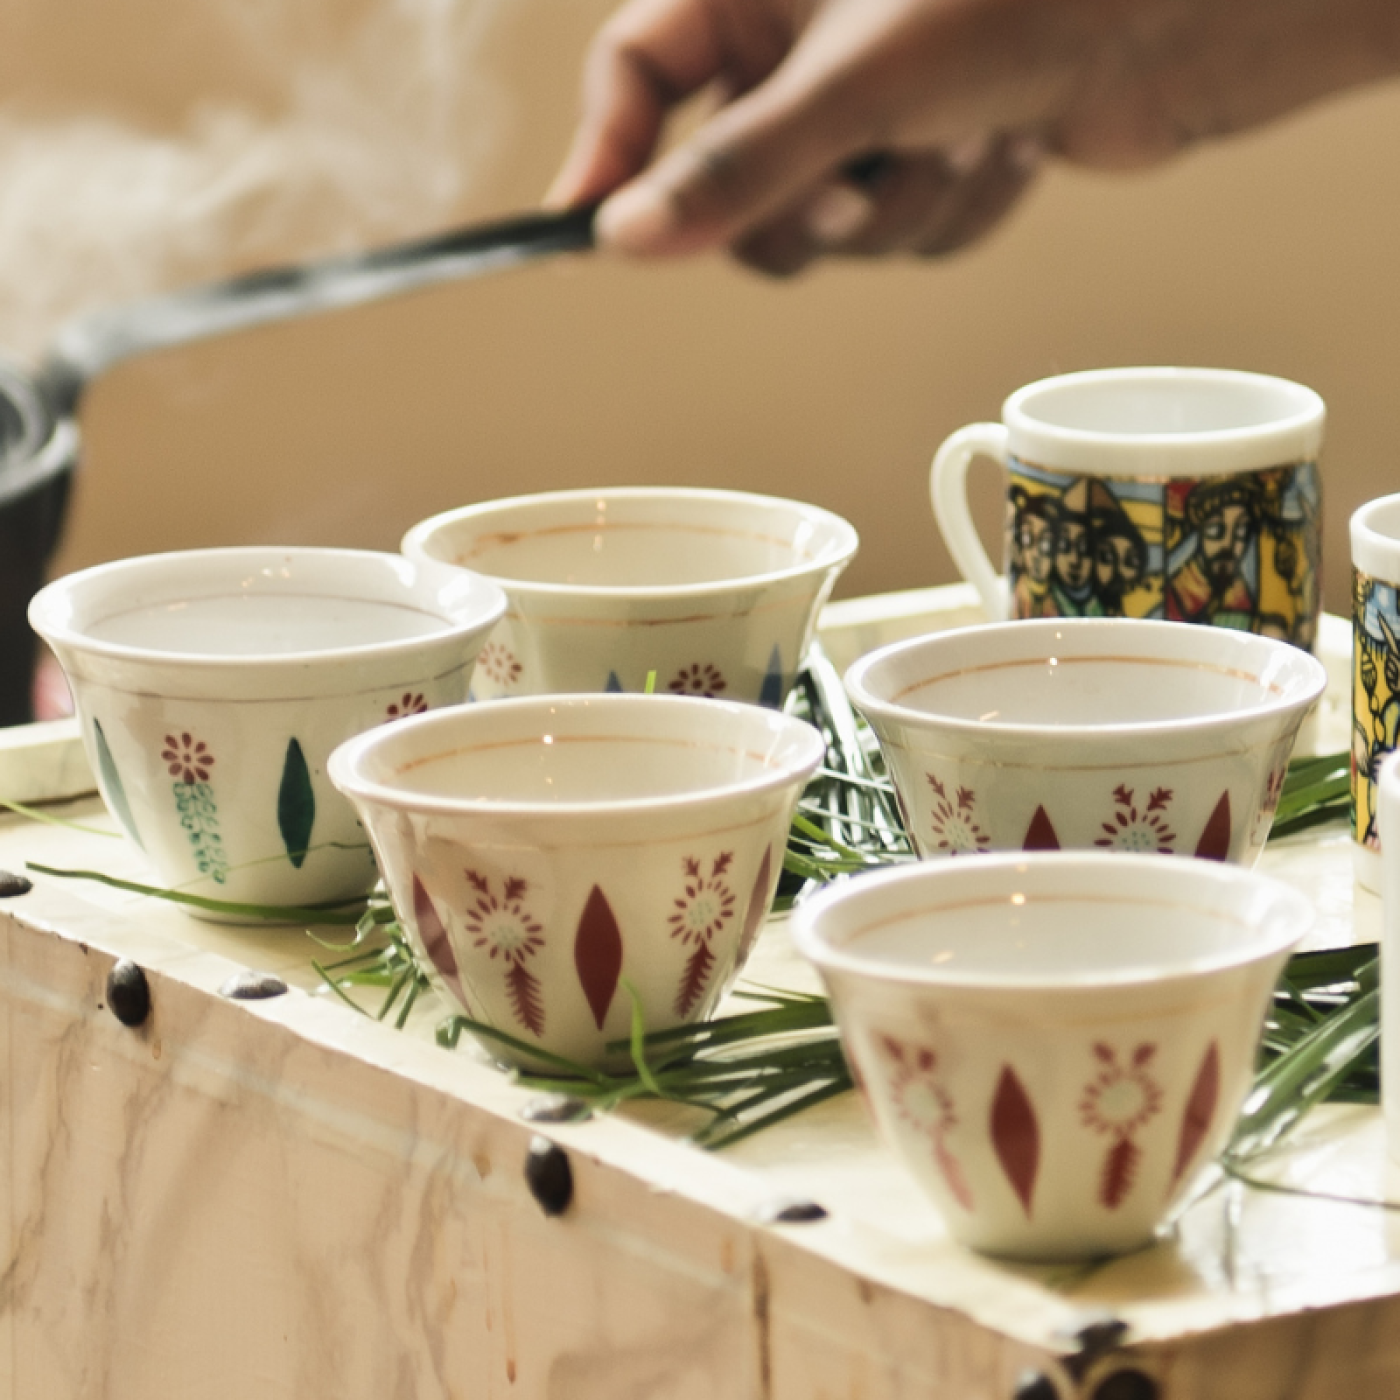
(1054, 1045)
(1375, 670)
(545, 852)
(211, 686)
(713, 593)
(1117, 733)
(1387, 787)
(1185, 494)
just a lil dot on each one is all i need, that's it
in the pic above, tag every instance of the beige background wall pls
(1276, 252)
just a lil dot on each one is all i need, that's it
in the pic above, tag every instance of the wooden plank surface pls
(284, 1197)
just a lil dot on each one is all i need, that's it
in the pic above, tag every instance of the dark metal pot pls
(39, 437)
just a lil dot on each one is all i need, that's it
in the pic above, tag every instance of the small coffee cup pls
(1185, 494)
(1375, 676)
(1121, 734)
(1055, 1045)
(561, 863)
(697, 592)
(212, 684)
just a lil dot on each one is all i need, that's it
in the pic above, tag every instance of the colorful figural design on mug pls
(1237, 551)
(1189, 495)
(1375, 670)
(1375, 694)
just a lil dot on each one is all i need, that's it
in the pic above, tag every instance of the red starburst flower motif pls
(411, 703)
(707, 903)
(920, 1098)
(187, 758)
(1123, 1096)
(499, 664)
(700, 679)
(501, 924)
(924, 1103)
(955, 829)
(1131, 829)
(705, 906)
(1118, 1102)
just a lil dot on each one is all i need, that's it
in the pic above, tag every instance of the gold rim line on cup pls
(1106, 657)
(1153, 479)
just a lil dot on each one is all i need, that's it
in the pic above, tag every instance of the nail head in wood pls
(12, 884)
(1128, 1384)
(792, 1212)
(556, 1108)
(248, 985)
(128, 993)
(549, 1176)
(1035, 1385)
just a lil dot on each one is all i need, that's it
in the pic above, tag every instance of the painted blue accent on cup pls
(774, 687)
(114, 788)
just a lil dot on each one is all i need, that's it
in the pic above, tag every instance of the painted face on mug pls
(1035, 535)
(1225, 538)
(1119, 558)
(1074, 559)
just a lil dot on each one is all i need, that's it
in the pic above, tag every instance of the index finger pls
(647, 58)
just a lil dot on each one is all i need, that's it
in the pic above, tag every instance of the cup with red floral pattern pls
(553, 858)
(1116, 734)
(684, 591)
(211, 686)
(1055, 1045)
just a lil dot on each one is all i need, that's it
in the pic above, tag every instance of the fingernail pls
(966, 155)
(637, 219)
(837, 214)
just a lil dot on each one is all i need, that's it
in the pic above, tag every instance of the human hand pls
(941, 108)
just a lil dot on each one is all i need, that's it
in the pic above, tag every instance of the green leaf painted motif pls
(296, 805)
(112, 785)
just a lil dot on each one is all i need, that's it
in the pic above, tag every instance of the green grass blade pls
(277, 913)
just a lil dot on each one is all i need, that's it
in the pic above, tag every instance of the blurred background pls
(147, 144)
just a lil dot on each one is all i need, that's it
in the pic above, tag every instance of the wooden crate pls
(286, 1198)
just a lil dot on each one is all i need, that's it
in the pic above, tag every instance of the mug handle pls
(947, 485)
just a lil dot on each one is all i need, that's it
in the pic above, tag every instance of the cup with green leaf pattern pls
(211, 686)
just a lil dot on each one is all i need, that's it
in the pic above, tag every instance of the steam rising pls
(323, 125)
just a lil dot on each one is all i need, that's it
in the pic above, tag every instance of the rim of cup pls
(63, 611)
(1292, 677)
(783, 746)
(1375, 536)
(1272, 916)
(838, 548)
(1286, 424)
